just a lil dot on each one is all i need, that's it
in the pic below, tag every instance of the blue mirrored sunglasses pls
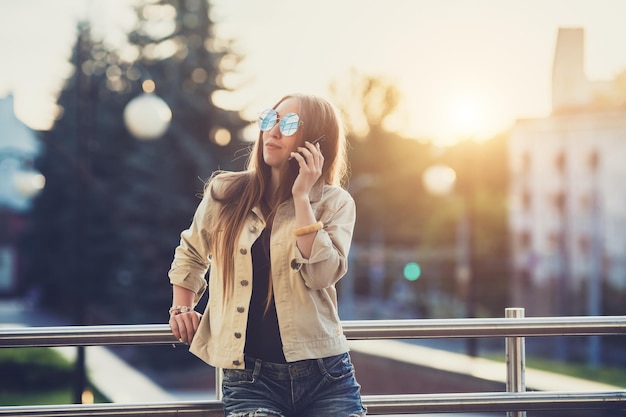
(288, 124)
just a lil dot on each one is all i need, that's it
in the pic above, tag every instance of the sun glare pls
(468, 116)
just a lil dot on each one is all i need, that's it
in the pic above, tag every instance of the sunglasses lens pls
(267, 119)
(289, 124)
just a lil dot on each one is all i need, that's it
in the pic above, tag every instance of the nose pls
(275, 131)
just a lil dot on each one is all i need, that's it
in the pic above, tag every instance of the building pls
(567, 208)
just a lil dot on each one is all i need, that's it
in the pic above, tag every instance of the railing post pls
(219, 377)
(515, 361)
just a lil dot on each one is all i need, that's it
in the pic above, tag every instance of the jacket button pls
(295, 265)
(240, 309)
(236, 363)
(243, 251)
(252, 229)
(244, 283)
(238, 335)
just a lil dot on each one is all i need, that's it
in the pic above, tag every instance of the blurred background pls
(487, 148)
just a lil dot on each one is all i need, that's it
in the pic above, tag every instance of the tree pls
(74, 237)
(482, 172)
(393, 206)
(385, 167)
(105, 227)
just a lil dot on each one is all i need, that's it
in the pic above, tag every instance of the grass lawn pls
(612, 376)
(51, 397)
(36, 376)
(606, 375)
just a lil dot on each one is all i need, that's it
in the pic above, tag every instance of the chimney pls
(570, 86)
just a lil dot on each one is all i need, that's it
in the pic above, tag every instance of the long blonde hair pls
(248, 189)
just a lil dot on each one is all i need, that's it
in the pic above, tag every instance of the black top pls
(262, 334)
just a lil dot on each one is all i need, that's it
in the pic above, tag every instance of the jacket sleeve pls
(329, 256)
(192, 256)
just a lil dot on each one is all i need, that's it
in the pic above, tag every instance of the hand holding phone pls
(309, 167)
(313, 142)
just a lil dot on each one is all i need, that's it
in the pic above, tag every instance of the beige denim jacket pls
(304, 289)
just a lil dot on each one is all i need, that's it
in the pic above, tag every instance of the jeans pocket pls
(337, 367)
(234, 377)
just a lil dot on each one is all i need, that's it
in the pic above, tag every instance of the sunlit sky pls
(463, 67)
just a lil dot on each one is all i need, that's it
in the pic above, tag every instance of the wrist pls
(301, 199)
(175, 310)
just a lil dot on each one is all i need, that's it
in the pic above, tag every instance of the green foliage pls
(394, 208)
(392, 201)
(50, 396)
(603, 374)
(56, 396)
(104, 229)
(607, 375)
(37, 376)
(33, 369)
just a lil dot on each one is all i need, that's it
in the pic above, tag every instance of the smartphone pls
(313, 142)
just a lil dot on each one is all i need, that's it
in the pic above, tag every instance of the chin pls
(273, 162)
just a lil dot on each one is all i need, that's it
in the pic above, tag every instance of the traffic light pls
(412, 271)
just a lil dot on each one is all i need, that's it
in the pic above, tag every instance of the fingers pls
(310, 162)
(314, 151)
(185, 325)
(309, 154)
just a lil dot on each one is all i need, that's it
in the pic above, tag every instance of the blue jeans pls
(311, 388)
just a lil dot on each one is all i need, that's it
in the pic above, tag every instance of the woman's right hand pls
(185, 325)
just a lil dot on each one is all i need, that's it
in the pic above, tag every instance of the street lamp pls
(440, 180)
(147, 116)
(18, 185)
(29, 183)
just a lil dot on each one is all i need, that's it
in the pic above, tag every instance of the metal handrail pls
(513, 329)
(376, 405)
(354, 330)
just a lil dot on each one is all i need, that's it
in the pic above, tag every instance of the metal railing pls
(516, 401)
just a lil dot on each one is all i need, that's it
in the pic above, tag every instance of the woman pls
(276, 237)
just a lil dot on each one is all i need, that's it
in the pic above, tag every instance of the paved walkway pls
(458, 363)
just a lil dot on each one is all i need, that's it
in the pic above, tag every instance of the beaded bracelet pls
(305, 230)
(180, 309)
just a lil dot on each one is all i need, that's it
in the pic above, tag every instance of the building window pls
(525, 163)
(554, 240)
(586, 202)
(593, 160)
(584, 245)
(524, 240)
(558, 201)
(559, 162)
(526, 200)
